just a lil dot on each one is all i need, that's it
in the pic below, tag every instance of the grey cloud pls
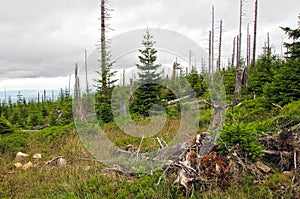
(46, 38)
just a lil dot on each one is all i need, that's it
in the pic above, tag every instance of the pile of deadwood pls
(202, 164)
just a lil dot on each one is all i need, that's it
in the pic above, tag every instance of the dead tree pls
(77, 84)
(233, 53)
(123, 84)
(239, 73)
(240, 36)
(86, 73)
(45, 97)
(220, 46)
(254, 35)
(248, 46)
(212, 39)
(237, 50)
(209, 53)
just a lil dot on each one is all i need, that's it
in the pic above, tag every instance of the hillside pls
(84, 177)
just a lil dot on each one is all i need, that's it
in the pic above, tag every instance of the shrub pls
(5, 127)
(243, 134)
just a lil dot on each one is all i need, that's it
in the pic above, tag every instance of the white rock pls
(37, 156)
(21, 155)
(18, 165)
(61, 162)
(27, 165)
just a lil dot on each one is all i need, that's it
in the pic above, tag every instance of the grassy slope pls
(89, 179)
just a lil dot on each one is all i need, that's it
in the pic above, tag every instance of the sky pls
(42, 40)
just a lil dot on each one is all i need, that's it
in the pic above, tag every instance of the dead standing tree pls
(254, 34)
(220, 46)
(239, 71)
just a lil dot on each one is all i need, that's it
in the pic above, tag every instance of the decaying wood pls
(283, 149)
(207, 167)
(212, 169)
(281, 146)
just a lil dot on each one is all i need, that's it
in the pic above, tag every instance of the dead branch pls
(139, 149)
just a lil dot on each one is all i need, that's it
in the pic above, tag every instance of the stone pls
(21, 155)
(18, 165)
(27, 165)
(37, 156)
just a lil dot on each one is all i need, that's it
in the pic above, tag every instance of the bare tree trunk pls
(77, 84)
(233, 53)
(237, 51)
(238, 79)
(220, 46)
(248, 46)
(209, 53)
(212, 39)
(45, 97)
(240, 36)
(268, 47)
(86, 73)
(254, 35)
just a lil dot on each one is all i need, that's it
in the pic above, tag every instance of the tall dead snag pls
(86, 73)
(248, 47)
(254, 35)
(239, 70)
(77, 84)
(240, 36)
(220, 46)
(233, 53)
(212, 39)
(209, 53)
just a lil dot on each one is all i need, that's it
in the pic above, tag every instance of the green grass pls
(90, 179)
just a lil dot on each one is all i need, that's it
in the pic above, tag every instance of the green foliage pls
(197, 82)
(294, 47)
(229, 82)
(263, 72)
(245, 135)
(285, 87)
(13, 143)
(105, 113)
(149, 91)
(5, 127)
(251, 110)
(289, 113)
(148, 68)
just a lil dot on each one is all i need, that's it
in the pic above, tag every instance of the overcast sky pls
(44, 38)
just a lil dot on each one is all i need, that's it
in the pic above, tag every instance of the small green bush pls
(290, 112)
(243, 134)
(5, 127)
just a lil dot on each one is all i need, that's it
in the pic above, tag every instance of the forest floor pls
(83, 177)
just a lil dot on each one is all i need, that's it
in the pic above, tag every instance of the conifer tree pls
(293, 51)
(149, 91)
